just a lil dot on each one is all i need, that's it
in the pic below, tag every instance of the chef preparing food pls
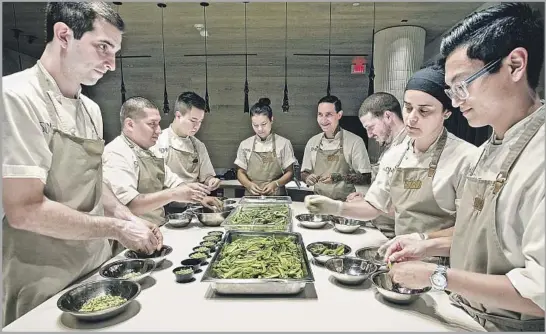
(493, 61)
(58, 214)
(420, 178)
(138, 177)
(265, 161)
(335, 160)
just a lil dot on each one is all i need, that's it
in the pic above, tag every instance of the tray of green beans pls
(260, 218)
(259, 263)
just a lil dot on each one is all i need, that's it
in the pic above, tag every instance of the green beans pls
(260, 257)
(130, 275)
(198, 256)
(183, 272)
(321, 249)
(102, 303)
(267, 217)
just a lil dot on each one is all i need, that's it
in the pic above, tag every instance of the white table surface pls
(289, 185)
(164, 305)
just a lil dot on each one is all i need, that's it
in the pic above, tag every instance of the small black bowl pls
(201, 259)
(203, 249)
(193, 263)
(182, 278)
(213, 238)
(217, 233)
(212, 247)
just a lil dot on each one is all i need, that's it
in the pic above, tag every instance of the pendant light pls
(123, 90)
(372, 72)
(16, 34)
(246, 106)
(165, 96)
(329, 51)
(285, 104)
(207, 106)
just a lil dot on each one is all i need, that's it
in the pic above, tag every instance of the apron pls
(151, 178)
(35, 266)
(475, 246)
(185, 164)
(263, 167)
(384, 223)
(328, 162)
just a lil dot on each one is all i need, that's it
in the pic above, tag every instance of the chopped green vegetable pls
(265, 217)
(211, 238)
(321, 249)
(183, 271)
(260, 257)
(130, 275)
(202, 249)
(208, 243)
(216, 233)
(102, 303)
(198, 255)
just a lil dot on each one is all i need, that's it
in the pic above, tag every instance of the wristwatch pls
(438, 279)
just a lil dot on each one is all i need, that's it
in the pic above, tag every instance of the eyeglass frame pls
(464, 84)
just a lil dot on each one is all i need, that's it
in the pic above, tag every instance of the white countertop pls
(289, 185)
(164, 305)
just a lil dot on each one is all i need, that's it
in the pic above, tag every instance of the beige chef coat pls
(27, 124)
(121, 170)
(168, 138)
(284, 150)
(521, 209)
(354, 151)
(455, 161)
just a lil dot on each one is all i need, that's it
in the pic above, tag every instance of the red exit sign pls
(358, 65)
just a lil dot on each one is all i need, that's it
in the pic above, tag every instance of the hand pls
(135, 234)
(212, 203)
(311, 179)
(411, 236)
(254, 189)
(413, 274)
(354, 197)
(270, 188)
(318, 204)
(213, 183)
(155, 230)
(191, 192)
(405, 250)
(326, 179)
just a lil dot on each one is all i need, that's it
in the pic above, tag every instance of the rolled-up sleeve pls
(26, 150)
(360, 160)
(172, 180)
(529, 280)
(241, 160)
(379, 194)
(287, 155)
(121, 174)
(206, 169)
(307, 164)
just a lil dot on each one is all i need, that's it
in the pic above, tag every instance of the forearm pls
(359, 210)
(112, 205)
(438, 246)
(353, 178)
(287, 177)
(144, 203)
(492, 290)
(57, 220)
(448, 232)
(243, 178)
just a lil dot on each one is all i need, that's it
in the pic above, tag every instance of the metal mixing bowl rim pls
(330, 260)
(104, 268)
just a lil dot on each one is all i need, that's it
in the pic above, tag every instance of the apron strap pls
(437, 153)
(195, 153)
(528, 133)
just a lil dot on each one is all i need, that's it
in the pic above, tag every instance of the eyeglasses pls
(460, 89)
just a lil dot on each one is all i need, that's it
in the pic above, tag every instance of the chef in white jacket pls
(493, 62)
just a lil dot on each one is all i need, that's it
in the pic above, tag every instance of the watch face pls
(438, 280)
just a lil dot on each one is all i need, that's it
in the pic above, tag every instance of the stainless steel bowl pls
(157, 256)
(72, 300)
(330, 245)
(371, 254)
(314, 221)
(350, 270)
(136, 268)
(391, 292)
(179, 219)
(210, 217)
(346, 225)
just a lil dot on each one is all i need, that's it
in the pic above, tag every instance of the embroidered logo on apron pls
(333, 157)
(478, 203)
(412, 184)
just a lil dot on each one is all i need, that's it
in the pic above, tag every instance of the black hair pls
(331, 99)
(494, 32)
(377, 103)
(186, 101)
(80, 16)
(133, 108)
(262, 107)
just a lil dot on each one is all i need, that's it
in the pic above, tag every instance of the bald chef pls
(139, 178)
(186, 155)
(335, 160)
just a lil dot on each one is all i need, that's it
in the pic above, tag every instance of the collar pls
(136, 147)
(52, 84)
(430, 149)
(337, 134)
(267, 139)
(514, 131)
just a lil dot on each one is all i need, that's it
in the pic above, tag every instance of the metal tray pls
(266, 286)
(228, 224)
(266, 200)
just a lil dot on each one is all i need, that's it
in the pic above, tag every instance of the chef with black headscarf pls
(419, 179)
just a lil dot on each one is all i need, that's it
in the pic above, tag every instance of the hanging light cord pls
(206, 53)
(329, 50)
(285, 40)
